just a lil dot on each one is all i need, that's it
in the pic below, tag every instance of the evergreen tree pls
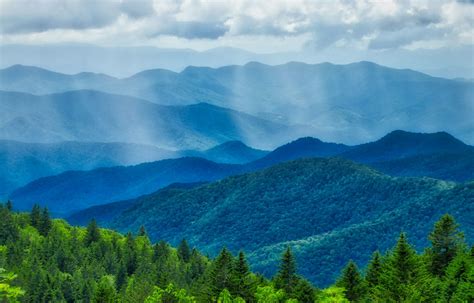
(460, 280)
(142, 231)
(9, 231)
(93, 233)
(286, 277)
(221, 274)
(446, 240)
(242, 279)
(45, 223)
(374, 270)
(105, 291)
(402, 270)
(304, 291)
(352, 282)
(161, 251)
(404, 261)
(9, 205)
(121, 278)
(130, 254)
(184, 252)
(35, 216)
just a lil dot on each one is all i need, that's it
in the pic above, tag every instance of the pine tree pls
(286, 277)
(404, 261)
(35, 216)
(374, 270)
(184, 252)
(161, 251)
(130, 254)
(242, 279)
(105, 292)
(9, 205)
(93, 233)
(402, 270)
(142, 231)
(304, 291)
(9, 231)
(446, 240)
(221, 274)
(45, 223)
(121, 277)
(352, 282)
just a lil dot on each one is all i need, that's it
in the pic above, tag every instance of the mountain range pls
(93, 116)
(315, 205)
(351, 103)
(105, 185)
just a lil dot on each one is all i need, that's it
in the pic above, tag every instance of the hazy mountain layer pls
(92, 116)
(351, 103)
(64, 193)
(24, 162)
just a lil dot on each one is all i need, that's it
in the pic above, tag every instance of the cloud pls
(358, 23)
(24, 16)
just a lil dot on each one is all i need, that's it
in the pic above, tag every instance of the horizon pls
(433, 37)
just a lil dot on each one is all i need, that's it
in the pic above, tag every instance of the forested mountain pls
(401, 144)
(75, 190)
(315, 204)
(301, 148)
(50, 261)
(23, 162)
(428, 156)
(232, 152)
(445, 166)
(105, 213)
(93, 116)
(350, 103)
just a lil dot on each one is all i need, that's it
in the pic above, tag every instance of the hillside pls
(426, 161)
(92, 116)
(445, 166)
(105, 213)
(232, 152)
(100, 265)
(23, 162)
(301, 148)
(350, 103)
(402, 144)
(316, 203)
(75, 190)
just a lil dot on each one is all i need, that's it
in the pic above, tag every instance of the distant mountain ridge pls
(119, 183)
(93, 116)
(23, 162)
(350, 103)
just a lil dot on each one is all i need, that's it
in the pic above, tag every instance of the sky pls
(323, 29)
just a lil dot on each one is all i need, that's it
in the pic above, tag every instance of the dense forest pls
(48, 260)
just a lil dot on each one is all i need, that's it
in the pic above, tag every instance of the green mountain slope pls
(302, 200)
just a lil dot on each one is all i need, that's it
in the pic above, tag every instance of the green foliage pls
(333, 210)
(268, 294)
(184, 252)
(286, 277)
(73, 264)
(93, 233)
(352, 282)
(446, 241)
(170, 294)
(332, 295)
(7, 291)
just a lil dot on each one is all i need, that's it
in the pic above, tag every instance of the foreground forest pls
(46, 260)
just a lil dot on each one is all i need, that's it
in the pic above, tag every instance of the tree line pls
(48, 260)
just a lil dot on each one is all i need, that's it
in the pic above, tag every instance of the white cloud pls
(378, 24)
